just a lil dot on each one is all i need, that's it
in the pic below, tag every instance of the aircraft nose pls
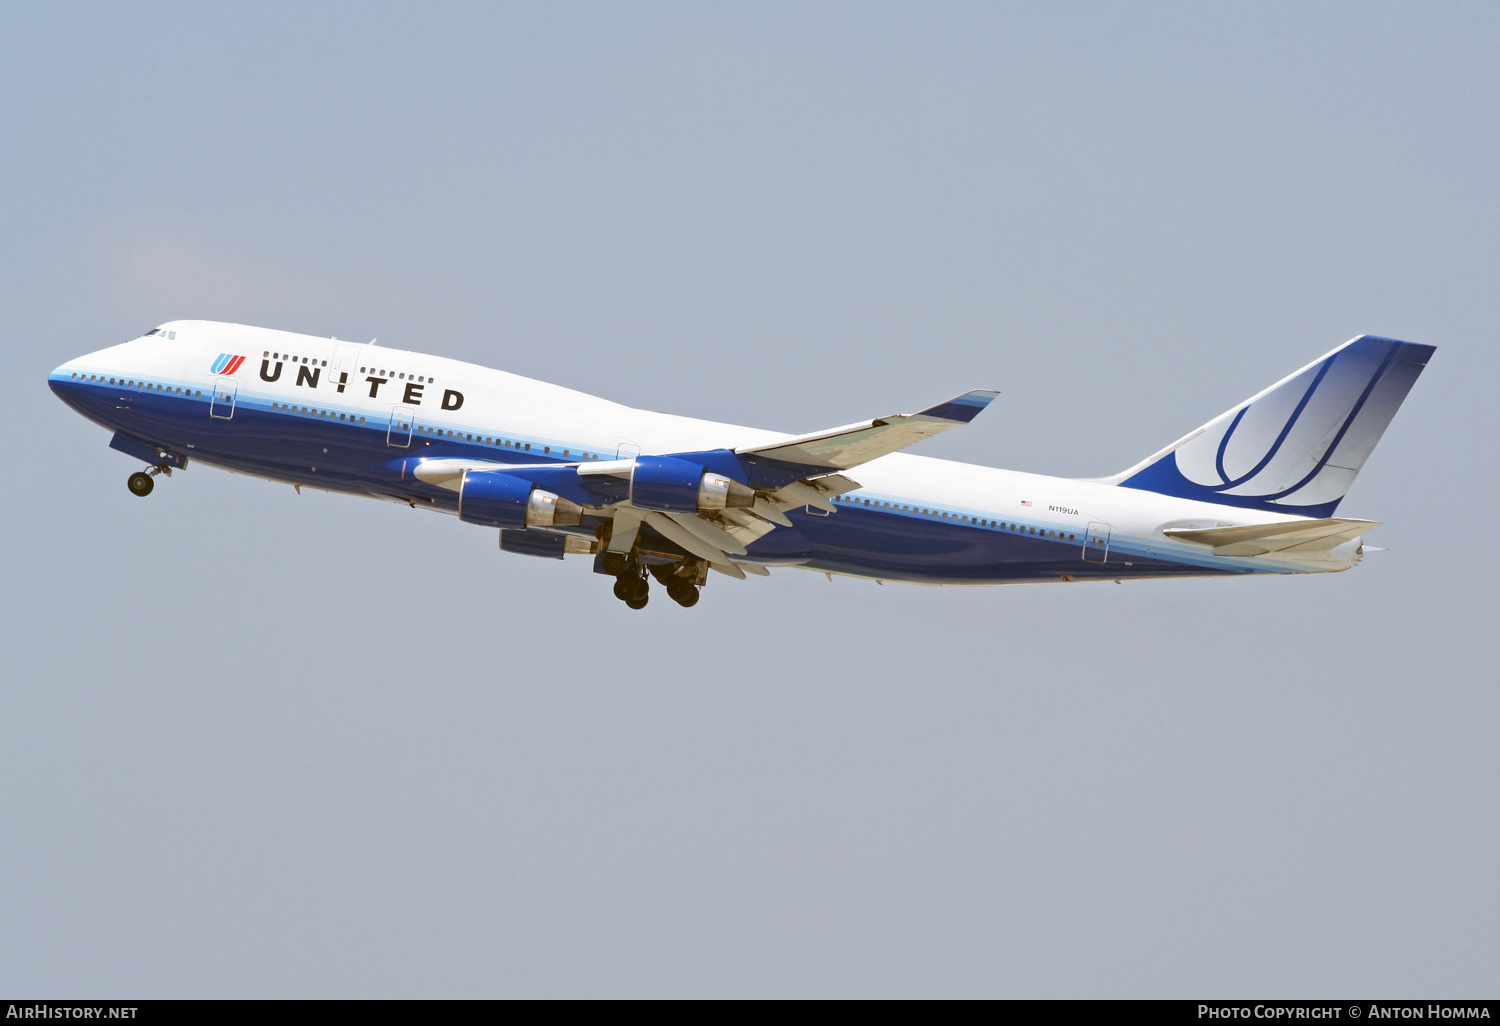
(68, 385)
(62, 378)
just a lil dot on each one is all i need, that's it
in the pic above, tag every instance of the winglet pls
(962, 409)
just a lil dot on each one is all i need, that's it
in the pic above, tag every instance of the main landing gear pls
(682, 592)
(633, 582)
(633, 590)
(142, 481)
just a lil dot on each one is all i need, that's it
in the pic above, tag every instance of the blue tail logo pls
(1297, 446)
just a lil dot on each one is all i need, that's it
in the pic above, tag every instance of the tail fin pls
(1296, 447)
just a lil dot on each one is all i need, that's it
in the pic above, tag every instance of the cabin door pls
(222, 406)
(1096, 543)
(345, 364)
(399, 434)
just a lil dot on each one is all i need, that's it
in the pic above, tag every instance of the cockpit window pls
(163, 332)
(153, 331)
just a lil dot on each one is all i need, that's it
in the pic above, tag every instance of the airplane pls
(556, 472)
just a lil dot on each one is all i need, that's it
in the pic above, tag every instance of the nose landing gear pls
(142, 481)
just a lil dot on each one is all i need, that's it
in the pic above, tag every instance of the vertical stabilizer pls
(1297, 446)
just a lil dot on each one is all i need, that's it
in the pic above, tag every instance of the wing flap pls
(709, 533)
(687, 539)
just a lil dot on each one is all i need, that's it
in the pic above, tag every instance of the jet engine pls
(497, 499)
(682, 486)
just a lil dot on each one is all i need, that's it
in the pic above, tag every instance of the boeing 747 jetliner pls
(650, 495)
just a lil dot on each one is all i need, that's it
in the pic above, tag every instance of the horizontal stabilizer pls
(849, 446)
(1259, 539)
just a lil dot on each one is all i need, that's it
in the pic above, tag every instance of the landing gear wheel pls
(140, 483)
(632, 590)
(683, 594)
(614, 562)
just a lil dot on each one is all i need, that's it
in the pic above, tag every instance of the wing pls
(849, 446)
(785, 476)
(712, 505)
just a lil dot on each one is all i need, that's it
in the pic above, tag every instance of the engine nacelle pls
(682, 486)
(494, 499)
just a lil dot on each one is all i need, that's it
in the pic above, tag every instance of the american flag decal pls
(1026, 502)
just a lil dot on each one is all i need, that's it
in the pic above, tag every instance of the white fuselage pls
(326, 417)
